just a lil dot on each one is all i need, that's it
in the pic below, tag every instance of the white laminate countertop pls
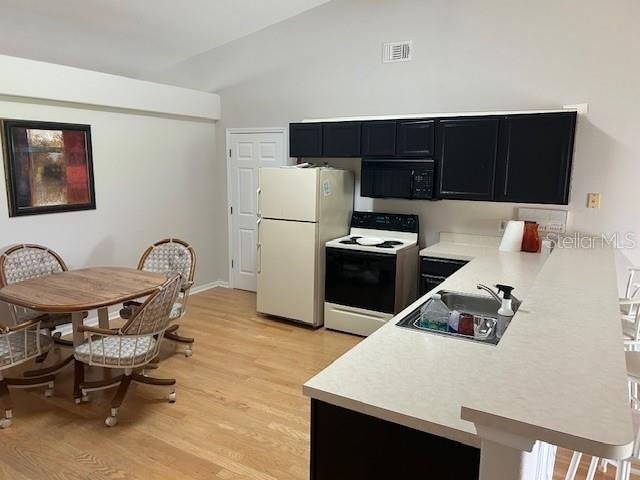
(557, 375)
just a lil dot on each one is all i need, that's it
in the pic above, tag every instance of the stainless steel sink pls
(475, 304)
(483, 307)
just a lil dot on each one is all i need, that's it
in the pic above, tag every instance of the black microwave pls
(397, 178)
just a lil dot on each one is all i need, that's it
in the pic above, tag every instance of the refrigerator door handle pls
(258, 246)
(258, 191)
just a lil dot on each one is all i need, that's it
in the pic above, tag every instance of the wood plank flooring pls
(240, 412)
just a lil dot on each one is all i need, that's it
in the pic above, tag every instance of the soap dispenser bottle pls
(505, 312)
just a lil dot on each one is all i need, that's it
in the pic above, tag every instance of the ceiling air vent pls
(396, 52)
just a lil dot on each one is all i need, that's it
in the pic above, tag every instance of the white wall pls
(47, 81)
(153, 179)
(154, 170)
(468, 55)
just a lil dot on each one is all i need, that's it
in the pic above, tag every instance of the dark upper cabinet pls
(466, 157)
(379, 138)
(305, 139)
(341, 139)
(415, 138)
(535, 158)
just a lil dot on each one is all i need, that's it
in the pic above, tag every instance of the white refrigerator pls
(299, 210)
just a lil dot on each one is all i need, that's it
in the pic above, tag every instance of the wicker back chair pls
(24, 262)
(132, 346)
(20, 344)
(169, 256)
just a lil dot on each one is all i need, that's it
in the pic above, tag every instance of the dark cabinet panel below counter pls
(354, 446)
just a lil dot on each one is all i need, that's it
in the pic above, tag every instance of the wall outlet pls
(593, 200)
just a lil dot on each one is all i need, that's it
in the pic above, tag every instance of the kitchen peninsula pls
(499, 409)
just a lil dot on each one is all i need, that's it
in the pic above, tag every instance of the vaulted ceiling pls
(135, 38)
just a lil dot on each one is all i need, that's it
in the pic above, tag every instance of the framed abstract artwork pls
(48, 167)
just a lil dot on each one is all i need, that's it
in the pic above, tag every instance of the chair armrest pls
(99, 331)
(23, 326)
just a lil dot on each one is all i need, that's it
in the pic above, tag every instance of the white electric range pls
(372, 273)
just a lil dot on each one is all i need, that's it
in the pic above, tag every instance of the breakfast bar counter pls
(531, 389)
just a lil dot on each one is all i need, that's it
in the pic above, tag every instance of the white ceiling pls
(135, 38)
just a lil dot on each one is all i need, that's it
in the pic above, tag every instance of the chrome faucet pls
(490, 292)
(495, 295)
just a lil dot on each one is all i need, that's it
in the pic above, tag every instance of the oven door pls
(361, 279)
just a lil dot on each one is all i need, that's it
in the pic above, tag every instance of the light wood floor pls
(240, 413)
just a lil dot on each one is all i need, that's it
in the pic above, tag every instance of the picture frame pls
(48, 167)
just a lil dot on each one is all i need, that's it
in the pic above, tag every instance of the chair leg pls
(591, 473)
(171, 335)
(623, 470)
(5, 397)
(7, 404)
(61, 341)
(42, 357)
(78, 380)
(49, 370)
(573, 466)
(162, 382)
(100, 385)
(112, 420)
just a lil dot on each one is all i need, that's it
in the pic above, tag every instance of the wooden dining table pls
(79, 291)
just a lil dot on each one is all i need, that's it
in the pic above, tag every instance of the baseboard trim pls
(92, 320)
(208, 286)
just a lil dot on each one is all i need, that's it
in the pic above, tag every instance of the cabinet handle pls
(412, 187)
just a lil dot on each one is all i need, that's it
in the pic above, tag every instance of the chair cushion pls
(14, 343)
(118, 350)
(176, 311)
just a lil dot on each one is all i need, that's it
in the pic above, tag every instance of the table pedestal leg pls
(78, 337)
(103, 317)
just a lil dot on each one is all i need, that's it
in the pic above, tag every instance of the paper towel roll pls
(512, 237)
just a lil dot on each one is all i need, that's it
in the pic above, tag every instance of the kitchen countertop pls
(557, 375)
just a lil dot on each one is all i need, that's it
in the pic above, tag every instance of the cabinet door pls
(305, 139)
(341, 139)
(535, 163)
(467, 154)
(379, 138)
(415, 138)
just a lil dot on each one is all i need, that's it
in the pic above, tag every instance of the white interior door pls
(248, 151)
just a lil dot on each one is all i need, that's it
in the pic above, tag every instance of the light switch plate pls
(593, 200)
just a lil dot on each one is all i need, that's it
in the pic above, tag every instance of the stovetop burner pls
(384, 244)
(350, 241)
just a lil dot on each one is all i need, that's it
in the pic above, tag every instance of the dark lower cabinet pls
(347, 445)
(305, 139)
(435, 270)
(415, 138)
(341, 139)
(379, 138)
(535, 159)
(466, 157)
